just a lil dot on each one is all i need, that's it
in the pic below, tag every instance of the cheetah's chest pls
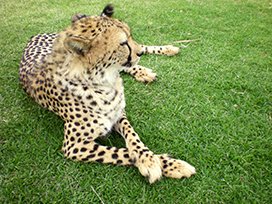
(110, 105)
(102, 102)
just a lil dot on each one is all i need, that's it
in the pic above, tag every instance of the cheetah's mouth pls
(128, 62)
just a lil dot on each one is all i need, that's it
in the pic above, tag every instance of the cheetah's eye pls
(124, 43)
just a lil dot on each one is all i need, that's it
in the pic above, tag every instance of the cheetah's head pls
(101, 41)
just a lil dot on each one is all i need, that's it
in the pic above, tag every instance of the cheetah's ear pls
(77, 44)
(108, 11)
(77, 17)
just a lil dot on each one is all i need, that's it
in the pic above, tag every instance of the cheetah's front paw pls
(175, 168)
(141, 73)
(145, 75)
(171, 50)
(149, 166)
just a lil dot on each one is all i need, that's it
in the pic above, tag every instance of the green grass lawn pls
(211, 106)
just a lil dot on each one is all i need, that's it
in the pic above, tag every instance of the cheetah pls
(75, 74)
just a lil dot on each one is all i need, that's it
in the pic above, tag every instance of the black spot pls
(86, 134)
(114, 156)
(83, 149)
(165, 166)
(95, 147)
(93, 103)
(95, 121)
(86, 142)
(75, 150)
(119, 161)
(77, 124)
(132, 160)
(101, 153)
(90, 156)
(72, 139)
(126, 155)
(85, 159)
(89, 97)
(99, 160)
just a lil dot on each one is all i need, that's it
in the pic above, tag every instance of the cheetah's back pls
(35, 53)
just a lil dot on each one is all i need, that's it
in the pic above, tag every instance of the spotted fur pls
(75, 74)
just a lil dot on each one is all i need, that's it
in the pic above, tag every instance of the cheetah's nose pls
(140, 54)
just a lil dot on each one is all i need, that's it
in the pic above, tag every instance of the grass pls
(211, 106)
